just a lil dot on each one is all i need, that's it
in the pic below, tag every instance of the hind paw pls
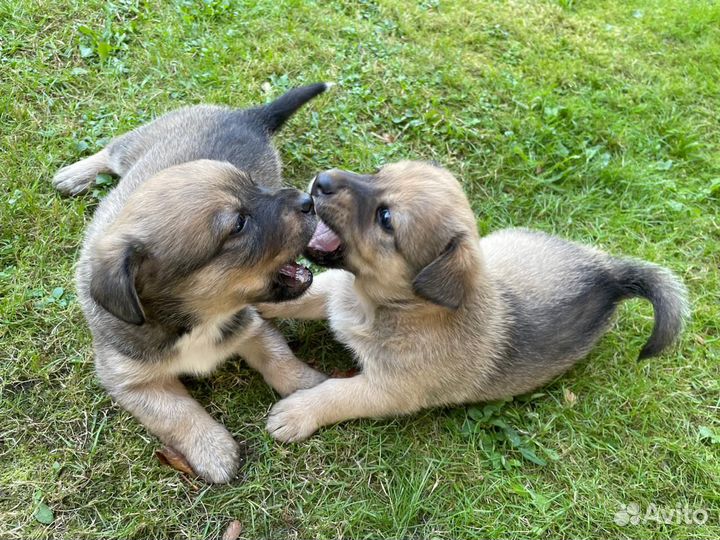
(78, 177)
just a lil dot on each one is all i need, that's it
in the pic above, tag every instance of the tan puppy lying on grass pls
(437, 316)
(197, 230)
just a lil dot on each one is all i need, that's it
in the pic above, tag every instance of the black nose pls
(324, 184)
(306, 203)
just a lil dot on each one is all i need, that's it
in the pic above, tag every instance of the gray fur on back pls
(194, 233)
(560, 298)
(435, 315)
(199, 132)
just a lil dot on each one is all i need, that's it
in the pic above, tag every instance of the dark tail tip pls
(275, 114)
(647, 352)
(668, 296)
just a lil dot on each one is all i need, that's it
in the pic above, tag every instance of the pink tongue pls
(324, 239)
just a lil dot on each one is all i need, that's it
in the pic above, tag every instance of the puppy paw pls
(213, 454)
(293, 419)
(305, 377)
(70, 180)
(78, 177)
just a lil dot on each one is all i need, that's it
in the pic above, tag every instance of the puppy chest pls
(198, 359)
(200, 351)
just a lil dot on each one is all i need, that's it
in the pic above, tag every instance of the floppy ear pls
(113, 283)
(446, 280)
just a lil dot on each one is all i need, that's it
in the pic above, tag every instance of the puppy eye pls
(240, 224)
(384, 218)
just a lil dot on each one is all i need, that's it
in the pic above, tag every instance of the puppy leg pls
(168, 411)
(78, 177)
(298, 416)
(312, 305)
(268, 353)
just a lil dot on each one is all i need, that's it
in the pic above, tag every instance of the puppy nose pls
(306, 203)
(323, 184)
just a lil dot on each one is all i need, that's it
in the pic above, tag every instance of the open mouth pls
(325, 247)
(294, 278)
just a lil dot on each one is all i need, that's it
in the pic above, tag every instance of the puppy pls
(437, 316)
(195, 232)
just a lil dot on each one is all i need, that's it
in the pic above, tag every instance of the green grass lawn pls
(594, 120)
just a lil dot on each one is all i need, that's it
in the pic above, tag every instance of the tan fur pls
(436, 316)
(167, 210)
(195, 232)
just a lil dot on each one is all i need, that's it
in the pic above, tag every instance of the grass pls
(593, 120)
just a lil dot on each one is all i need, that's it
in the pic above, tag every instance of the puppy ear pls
(446, 280)
(113, 282)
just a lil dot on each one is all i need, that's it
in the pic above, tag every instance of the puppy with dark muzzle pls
(196, 231)
(437, 316)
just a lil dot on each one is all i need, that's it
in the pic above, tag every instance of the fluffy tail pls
(667, 294)
(275, 114)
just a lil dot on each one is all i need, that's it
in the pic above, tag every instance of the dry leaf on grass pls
(387, 138)
(233, 530)
(570, 397)
(172, 458)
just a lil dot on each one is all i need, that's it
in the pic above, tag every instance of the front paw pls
(305, 377)
(293, 419)
(212, 453)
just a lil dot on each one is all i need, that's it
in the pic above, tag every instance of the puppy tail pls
(275, 114)
(667, 294)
